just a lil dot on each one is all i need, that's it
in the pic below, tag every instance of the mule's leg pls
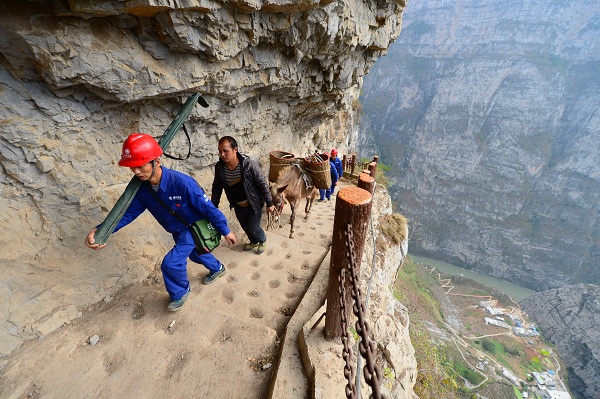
(294, 206)
(292, 218)
(309, 201)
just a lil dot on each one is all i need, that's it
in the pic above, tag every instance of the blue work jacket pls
(180, 193)
(337, 163)
(333, 172)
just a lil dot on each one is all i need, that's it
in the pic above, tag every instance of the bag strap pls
(189, 147)
(172, 212)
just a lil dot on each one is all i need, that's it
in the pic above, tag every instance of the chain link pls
(367, 349)
(349, 371)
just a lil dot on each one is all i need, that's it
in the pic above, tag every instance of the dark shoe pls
(174, 306)
(212, 276)
(250, 247)
(261, 247)
(320, 200)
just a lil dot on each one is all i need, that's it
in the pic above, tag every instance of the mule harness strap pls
(305, 176)
(275, 216)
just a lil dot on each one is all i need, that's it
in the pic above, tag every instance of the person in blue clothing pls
(323, 193)
(182, 194)
(337, 163)
(337, 171)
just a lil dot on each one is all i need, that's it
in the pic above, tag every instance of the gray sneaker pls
(174, 306)
(212, 276)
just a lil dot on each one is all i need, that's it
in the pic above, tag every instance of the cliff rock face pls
(77, 77)
(489, 113)
(569, 317)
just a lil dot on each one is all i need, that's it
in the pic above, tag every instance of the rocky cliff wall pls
(569, 318)
(489, 113)
(77, 77)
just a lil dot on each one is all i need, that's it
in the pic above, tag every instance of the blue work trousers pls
(174, 264)
(327, 192)
(324, 193)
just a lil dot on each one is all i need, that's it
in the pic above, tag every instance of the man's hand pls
(271, 209)
(89, 240)
(230, 238)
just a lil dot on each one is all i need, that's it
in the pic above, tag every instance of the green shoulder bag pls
(206, 237)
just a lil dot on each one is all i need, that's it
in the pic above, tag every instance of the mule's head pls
(277, 195)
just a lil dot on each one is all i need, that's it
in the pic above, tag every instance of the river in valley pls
(516, 292)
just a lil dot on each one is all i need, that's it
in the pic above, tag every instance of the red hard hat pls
(334, 152)
(138, 150)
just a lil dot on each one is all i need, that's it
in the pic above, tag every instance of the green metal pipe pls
(116, 213)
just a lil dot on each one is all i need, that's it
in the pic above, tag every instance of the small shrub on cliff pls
(511, 350)
(393, 227)
(489, 346)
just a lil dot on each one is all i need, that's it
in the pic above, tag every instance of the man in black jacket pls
(246, 189)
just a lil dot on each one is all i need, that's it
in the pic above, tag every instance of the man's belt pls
(244, 204)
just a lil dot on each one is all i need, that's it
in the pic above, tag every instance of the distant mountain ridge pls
(489, 113)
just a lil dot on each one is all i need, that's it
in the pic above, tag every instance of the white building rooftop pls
(496, 323)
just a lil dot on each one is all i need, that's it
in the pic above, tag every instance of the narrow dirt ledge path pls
(219, 345)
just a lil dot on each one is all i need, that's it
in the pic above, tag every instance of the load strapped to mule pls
(278, 161)
(316, 165)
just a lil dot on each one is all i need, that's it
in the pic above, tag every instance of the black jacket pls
(255, 185)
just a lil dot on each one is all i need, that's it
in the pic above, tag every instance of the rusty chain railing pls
(349, 371)
(367, 349)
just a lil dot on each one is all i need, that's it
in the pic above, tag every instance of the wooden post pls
(373, 168)
(352, 205)
(375, 159)
(344, 163)
(367, 182)
(353, 164)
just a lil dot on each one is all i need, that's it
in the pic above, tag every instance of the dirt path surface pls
(221, 344)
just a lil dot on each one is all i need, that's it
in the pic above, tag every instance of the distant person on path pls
(337, 163)
(326, 193)
(183, 195)
(246, 189)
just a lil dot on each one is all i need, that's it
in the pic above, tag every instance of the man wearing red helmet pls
(337, 163)
(337, 171)
(182, 194)
(326, 193)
